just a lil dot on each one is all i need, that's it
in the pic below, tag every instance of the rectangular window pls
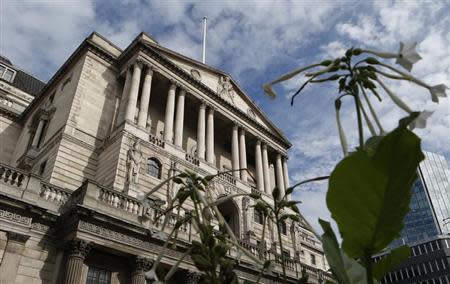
(313, 259)
(282, 227)
(287, 254)
(42, 168)
(6, 73)
(44, 130)
(258, 216)
(98, 276)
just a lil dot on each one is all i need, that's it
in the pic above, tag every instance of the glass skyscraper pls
(430, 202)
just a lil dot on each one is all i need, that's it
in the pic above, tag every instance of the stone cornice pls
(152, 53)
(86, 45)
(10, 114)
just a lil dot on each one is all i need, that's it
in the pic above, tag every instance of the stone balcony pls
(29, 188)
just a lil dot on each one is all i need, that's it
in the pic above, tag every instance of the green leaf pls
(357, 51)
(372, 60)
(276, 193)
(288, 190)
(391, 261)
(340, 264)
(333, 252)
(369, 195)
(255, 195)
(326, 62)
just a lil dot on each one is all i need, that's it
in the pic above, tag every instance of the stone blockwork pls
(106, 129)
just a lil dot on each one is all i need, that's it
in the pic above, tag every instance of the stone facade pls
(112, 124)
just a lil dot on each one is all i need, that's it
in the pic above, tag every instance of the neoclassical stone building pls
(79, 151)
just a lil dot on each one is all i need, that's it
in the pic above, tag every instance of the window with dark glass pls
(258, 216)
(287, 254)
(42, 168)
(6, 73)
(282, 227)
(313, 259)
(154, 168)
(98, 275)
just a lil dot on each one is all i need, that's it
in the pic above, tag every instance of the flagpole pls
(204, 39)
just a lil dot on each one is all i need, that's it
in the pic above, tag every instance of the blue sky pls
(256, 41)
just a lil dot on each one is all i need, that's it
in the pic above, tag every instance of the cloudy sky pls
(257, 41)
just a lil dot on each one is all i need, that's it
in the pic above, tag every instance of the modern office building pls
(110, 125)
(430, 202)
(426, 227)
(429, 263)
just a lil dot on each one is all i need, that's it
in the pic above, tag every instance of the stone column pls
(179, 119)
(141, 265)
(201, 132)
(124, 98)
(170, 109)
(210, 136)
(145, 98)
(78, 250)
(235, 151)
(286, 175)
(38, 133)
(266, 171)
(243, 155)
(11, 256)
(259, 167)
(134, 92)
(279, 174)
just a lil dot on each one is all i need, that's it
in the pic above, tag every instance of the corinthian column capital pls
(79, 248)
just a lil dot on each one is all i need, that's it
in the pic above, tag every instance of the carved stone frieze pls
(41, 227)
(13, 217)
(123, 238)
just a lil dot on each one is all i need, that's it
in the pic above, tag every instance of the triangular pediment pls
(222, 84)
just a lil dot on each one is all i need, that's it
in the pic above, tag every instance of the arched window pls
(154, 167)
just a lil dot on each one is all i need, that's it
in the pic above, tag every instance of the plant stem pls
(368, 261)
(360, 127)
(281, 247)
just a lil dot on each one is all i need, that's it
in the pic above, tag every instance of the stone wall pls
(9, 134)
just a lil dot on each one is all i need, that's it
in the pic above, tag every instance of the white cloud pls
(42, 34)
(266, 39)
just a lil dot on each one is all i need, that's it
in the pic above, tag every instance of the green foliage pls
(210, 256)
(369, 195)
(392, 260)
(345, 270)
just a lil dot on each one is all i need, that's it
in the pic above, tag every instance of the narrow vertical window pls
(154, 168)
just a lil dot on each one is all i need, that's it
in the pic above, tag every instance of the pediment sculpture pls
(225, 89)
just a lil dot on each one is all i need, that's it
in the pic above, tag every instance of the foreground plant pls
(369, 190)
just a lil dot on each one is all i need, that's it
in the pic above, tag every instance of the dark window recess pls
(44, 130)
(313, 259)
(258, 217)
(51, 98)
(287, 254)
(154, 168)
(282, 227)
(42, 168)
(98, 276)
